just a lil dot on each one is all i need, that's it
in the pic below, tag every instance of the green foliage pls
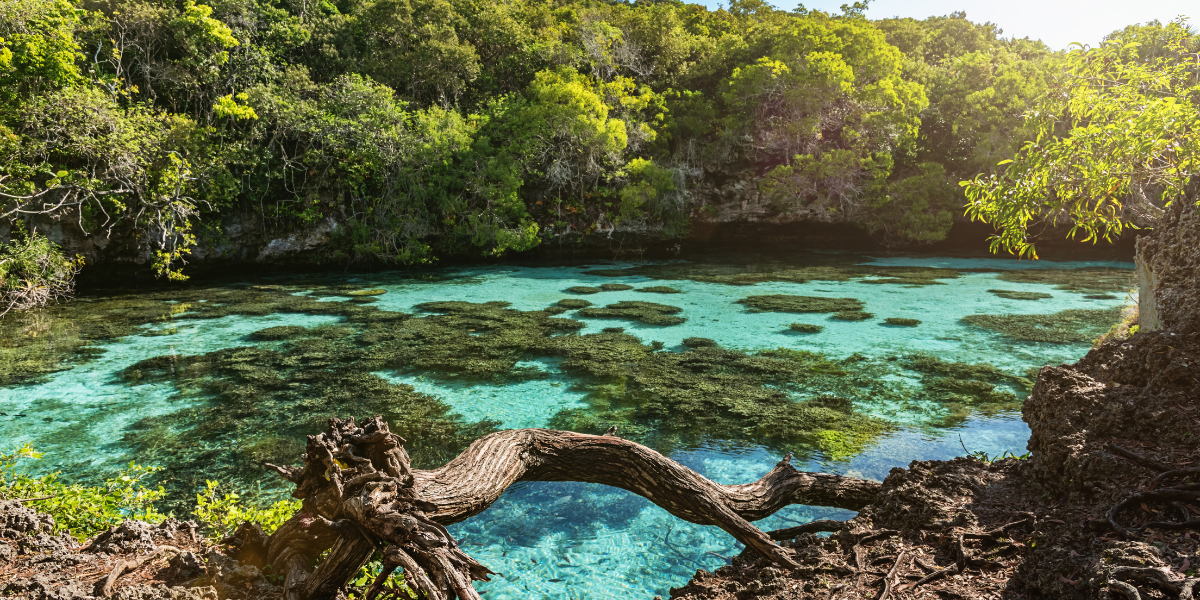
(221, 514)
(34, 272)
(80, 510)
(427, 128)
(1116, 139)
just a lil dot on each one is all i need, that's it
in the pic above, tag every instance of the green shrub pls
(82, 511)
(34, 272)
(220, 514)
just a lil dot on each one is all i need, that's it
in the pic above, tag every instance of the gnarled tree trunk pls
(360, 495)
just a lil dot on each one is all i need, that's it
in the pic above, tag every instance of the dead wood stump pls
(361, 495)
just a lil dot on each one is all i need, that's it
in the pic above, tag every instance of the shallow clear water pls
(562, 540)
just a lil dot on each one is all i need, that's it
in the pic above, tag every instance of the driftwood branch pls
(361, 495)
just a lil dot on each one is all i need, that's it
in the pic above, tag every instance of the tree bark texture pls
(361, 495)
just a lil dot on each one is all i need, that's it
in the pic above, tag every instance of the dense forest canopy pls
(428, 127)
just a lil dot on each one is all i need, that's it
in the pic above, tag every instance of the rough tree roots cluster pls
(360, 496)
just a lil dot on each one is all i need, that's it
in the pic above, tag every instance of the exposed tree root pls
(360, 496)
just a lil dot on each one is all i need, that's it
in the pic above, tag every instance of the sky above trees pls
(1056, 22)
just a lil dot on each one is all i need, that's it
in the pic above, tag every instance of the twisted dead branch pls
(360, 495)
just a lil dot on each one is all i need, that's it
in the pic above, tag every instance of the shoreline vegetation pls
(183, 126)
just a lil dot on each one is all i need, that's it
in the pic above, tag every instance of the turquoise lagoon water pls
(564, 540)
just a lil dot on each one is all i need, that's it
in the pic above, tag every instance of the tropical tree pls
(1118, 139)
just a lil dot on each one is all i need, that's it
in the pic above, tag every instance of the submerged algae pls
(659, 289)
(852, 315)
(837, 269)
(805, 327)
(1063, 327)
(615, 287)
(901, 321)
(649, 313)
(1085, 280)
(573, 303)
(1014, 295)
(801, 304)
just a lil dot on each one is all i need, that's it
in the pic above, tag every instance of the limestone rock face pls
(301, 241)
(1169, 271)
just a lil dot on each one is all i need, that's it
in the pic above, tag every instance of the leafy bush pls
(34, 272)
(82, 511)
(220, 514)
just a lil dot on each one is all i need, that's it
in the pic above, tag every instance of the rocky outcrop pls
(133, 561)
(1170, 258)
